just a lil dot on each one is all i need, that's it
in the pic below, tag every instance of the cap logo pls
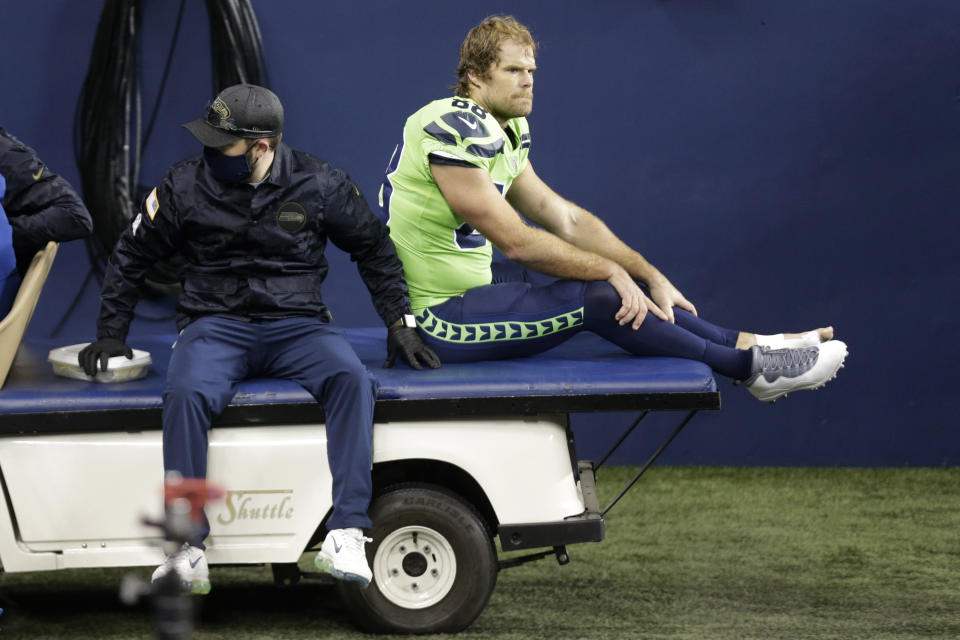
(220, 107)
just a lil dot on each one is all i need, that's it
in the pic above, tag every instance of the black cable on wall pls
(106, 125)
(236, 45)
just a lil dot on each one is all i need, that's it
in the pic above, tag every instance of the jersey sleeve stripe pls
(488, 150)
(442, 158)
(441, 134)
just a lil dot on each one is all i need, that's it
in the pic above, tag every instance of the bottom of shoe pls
(325, 564)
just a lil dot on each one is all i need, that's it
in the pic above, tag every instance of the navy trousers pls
(214, 353)
(515, 319)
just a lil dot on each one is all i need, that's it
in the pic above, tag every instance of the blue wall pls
(786, 164)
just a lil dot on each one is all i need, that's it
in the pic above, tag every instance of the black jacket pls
(252, 252)
(41, 206)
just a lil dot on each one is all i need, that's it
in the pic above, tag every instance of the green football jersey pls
(442, 255)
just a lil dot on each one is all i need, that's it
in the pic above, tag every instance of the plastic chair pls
(13, 326)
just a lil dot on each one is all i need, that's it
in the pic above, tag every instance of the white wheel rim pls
(414, 567)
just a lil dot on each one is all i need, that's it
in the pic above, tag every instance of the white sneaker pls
(190, 564)
(342, 555)
(777, 372)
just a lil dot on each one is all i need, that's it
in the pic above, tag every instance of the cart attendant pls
(251, 218)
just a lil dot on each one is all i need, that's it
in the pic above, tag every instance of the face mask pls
(228, 169)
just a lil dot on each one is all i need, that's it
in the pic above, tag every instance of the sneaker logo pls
(193, 563)
(336, 546)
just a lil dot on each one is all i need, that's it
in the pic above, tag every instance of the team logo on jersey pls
(291, 217)
(152, 204)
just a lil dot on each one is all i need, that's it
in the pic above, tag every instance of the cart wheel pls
(434, 565)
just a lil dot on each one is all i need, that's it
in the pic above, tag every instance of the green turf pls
(690, 553)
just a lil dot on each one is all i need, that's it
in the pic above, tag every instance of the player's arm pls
(472, 195)
(577, 226)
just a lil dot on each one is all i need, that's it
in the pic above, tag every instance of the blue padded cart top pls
(584, 374)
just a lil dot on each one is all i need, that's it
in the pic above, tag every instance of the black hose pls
(236, 45)
(102, 126)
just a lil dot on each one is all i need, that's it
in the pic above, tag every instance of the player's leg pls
(514, 319)
(656, 337)
(504, 320)
(746, 339)
(208, 360)
(767, 373)
(321, 360)
(706, 330)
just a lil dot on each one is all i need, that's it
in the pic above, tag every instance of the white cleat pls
(190, 563)
(777, 372)
(343, 557)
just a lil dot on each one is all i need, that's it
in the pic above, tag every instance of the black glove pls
(407, 341)
(102, 350)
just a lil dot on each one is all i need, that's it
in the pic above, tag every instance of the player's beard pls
(518, 107)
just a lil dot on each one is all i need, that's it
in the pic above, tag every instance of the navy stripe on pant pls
(214, 353)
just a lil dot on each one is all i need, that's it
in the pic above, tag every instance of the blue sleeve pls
(9, 280)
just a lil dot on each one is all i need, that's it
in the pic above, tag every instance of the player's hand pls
(666, 296)
(634, 303)
(407, 342)
(100, 352)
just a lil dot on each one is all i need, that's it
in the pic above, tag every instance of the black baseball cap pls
(240, 111)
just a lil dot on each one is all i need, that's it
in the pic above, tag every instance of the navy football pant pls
(213, 354)
(513, 319)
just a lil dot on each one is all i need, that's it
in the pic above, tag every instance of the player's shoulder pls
(459, 122)
(435, 109)
(520, 125)
(521, 129)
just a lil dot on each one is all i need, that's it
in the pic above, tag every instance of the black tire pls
(419, 533)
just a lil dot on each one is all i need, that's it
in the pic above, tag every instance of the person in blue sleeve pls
(37, 206)
(9, 279)
(251, 218)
